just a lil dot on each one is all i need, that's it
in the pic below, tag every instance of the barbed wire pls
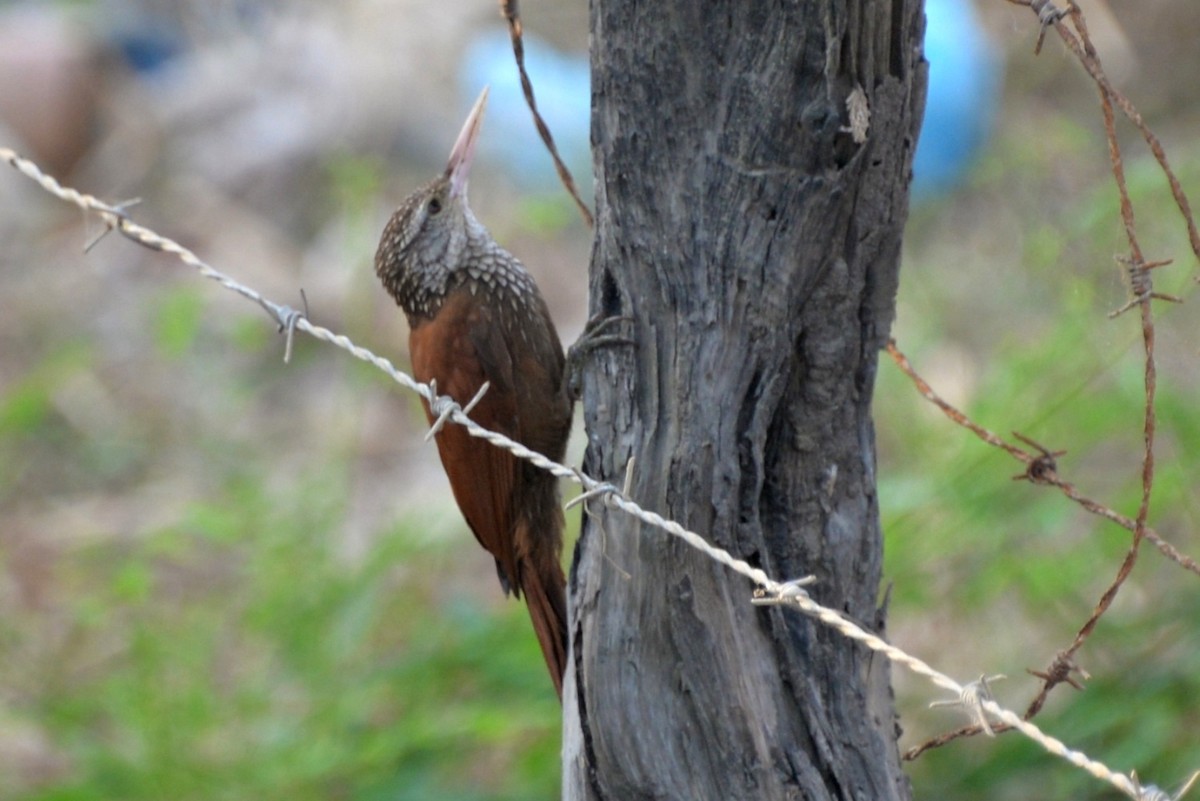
(512, 16)
(1041, 468)
(769, 591)
(1079, 43)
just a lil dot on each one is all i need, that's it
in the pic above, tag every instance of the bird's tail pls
(544, 587)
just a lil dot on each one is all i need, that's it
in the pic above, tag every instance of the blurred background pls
(223, 577)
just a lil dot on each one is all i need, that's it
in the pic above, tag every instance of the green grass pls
(235, 655)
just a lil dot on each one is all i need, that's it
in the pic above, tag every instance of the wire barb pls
(1041, 469)
(972, 698)
(587, 495)
(788, 592)
(117, 215)
(627, 487)
(1061, 671)
(288, 319)
(1151, 793)
(446, 407)
(1141, 283)
(1048, 15)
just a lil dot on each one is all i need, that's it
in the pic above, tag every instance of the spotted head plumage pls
(433, 235)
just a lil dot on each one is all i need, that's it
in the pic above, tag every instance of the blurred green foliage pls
(234, 655)
(179, 315)
(995, 575)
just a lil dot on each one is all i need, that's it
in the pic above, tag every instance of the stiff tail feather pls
(545, 595)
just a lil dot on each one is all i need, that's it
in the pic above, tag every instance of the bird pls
(476, 317)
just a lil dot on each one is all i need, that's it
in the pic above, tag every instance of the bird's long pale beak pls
(464, 148)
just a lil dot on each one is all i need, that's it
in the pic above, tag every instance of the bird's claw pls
(597, 333)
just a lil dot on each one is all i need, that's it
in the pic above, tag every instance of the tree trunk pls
(751, 231)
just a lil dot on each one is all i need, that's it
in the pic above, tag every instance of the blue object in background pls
(964, 91)
(147, 50)
(561, 85)
(964, 88)
(152, 35)
(964, 84)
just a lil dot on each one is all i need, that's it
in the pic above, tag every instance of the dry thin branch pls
(509, 9)
(769, 592)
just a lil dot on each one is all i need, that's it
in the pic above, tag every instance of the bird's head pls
(425, 239)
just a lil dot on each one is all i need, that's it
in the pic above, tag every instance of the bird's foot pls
(599, 332)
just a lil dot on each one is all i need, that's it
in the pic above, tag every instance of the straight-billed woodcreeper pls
(475, 315)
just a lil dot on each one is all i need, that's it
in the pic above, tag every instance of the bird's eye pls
(435, 205)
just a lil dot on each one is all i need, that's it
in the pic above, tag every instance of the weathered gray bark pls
(755, 244)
